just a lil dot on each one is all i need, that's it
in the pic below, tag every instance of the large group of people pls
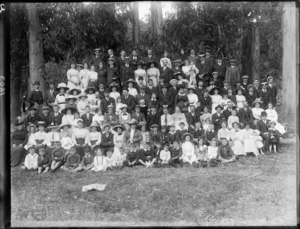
(195, 110)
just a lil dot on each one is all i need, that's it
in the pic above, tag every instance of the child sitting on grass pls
(188, 151)
(58, 154)
(31, 159)
(164, 156)
(44, 161)
(147, 156)
(132, 157)
(176, 153)
(120, 157)
(87, 161)
(201, 152)
(72, 160)
(100, 163)
(212, 153)
(225, 153)
(111, 162)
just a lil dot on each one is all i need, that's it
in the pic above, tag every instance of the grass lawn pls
(166, 196)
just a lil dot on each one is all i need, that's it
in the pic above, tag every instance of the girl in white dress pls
(73, 77)
(165, 58)
(84, 77)
(179, 117)
(31, 136)
(224, 132)
(237, 138)
(100, 163)
(192, 97)
(240, 99)
(119, 105)
(98, 117)
(140, 72)
(90, 93)
(190, 71)
(256, 110)
(153, 73)
(188, 150)
(233, 118)
(212, 150)
(273, 116)
(60, 98)
(216, 99)
(114, 93)
(93, 77)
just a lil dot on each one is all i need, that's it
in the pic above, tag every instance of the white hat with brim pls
(81, 95)
(123, 106)
(70, 91)
(115, 128)
(31, 125)
(71, 97)
(64, 124)
(62, 85)
(173, 80)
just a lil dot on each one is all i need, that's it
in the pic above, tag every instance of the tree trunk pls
(289, 61)
(136, 23)
(15, 90)
(36, 54)
(246, 54)
(156, 20)
(255, 53)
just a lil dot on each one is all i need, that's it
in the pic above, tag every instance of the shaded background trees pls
(248, 31)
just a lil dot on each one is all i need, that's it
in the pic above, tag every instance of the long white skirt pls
(238, 148)
(250, 146)
(189, 159)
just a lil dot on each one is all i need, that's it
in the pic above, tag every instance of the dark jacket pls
(87, 121)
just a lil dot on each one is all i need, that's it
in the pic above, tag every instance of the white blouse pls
(132, 91)
(257, 112)
(188, 149)
(212, 152)
(115, 95)
(93, 76)
(239, 101)
(84, 78)
(272, 115)
(94, 136)
(141, 72)
(68, 119)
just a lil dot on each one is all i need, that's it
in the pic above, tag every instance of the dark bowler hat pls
(36, 83)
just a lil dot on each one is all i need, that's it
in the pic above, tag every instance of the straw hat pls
(115, 128)
(31, 125)
(71, 107)
(70, 92)
(62, 85)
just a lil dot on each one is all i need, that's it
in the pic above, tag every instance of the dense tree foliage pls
(73, 30)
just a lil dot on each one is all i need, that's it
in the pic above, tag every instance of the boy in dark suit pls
(107, 100)
(87, 117)
(218, 118)
(32, 117)
(250, 95)
(126, 71)
(128, 100)
(264, 95)
(50, 94)
(153, 117)
(263, 125)
(206, 101)
(272, 91)
(142, 95)
(56, 116)
(107, 139)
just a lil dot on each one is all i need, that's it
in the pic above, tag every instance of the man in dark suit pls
(245, 115)
(126, 71)
(151, 88)
(172, 92)
(204, 71)
(142, 95)
(137, 115)
(245, 82)
(46, 116)
(149, 58)
(256, 86)
(87, 117)
(250, 95)
(121, 59)
(227, 111)
(218, 117)
(134, 59)
(192, 117)
(153, 117)
(107, 100)
(199, 90)
(127, 99)
(193, 57)
(110, 117)
(50, 94)
(166, 73)
(32, 117)
(96, 59)
(206, 101)
(264, 95)
(165, 99)
(220, 67)
(56, 116)
(262, 126)
(272, 91)
(107, 139)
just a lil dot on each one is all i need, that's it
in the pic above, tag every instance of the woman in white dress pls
(94, 135)
(206, 115)
(240, 99)
(98, 117)
(153, 73)
(179, 117)
(249, 141)
(118, 131)
(224, 132)
(119, 105)
(140, 72)
(190, 71)
(82, 103)
(193, 98)
(114, 93)
(237, 137)
(273, 116)
(216, 99)
(165, 58)
(131, 90)
(256, 110)
(93, 77)
(84, 76)
(68, 112)
(73, 77)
